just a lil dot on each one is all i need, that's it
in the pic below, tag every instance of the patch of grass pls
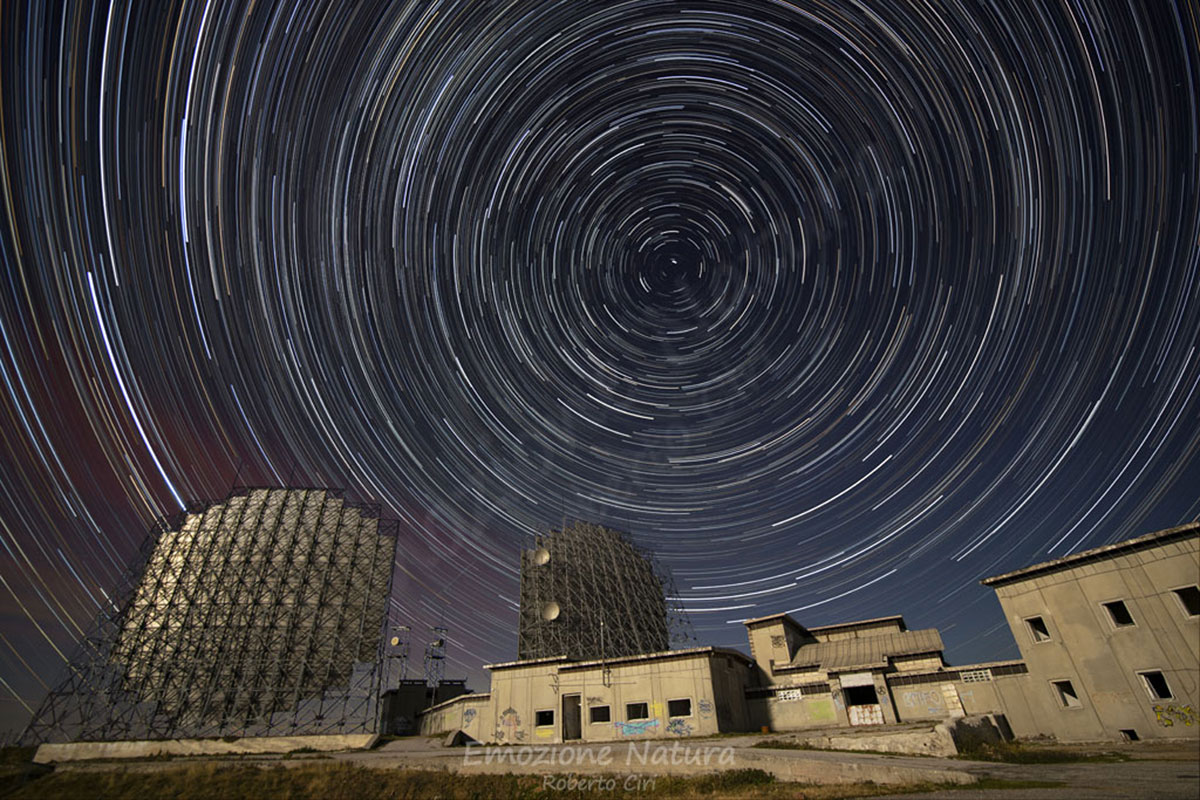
(17, 768)
(340, 781)
(1000, 783)
(784, 744)
(1018, 753)
(17, 755)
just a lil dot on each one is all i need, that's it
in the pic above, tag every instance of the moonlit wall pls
(836, 307)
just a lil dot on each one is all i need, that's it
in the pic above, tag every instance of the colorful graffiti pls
(510, 726)
(636, 728)
(1167, 716)
(679, 727)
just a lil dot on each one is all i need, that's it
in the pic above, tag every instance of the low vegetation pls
(783, 744)
(341, 781)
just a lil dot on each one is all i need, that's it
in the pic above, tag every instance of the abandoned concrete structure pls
(695, 692)
(871, 672)
(1110, 639)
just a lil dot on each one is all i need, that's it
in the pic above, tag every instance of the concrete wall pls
(994, 689)
(856, 630)
(918, 663)
(465, 712)
(789, 710)
(771, 646)
(85, 751)
(710, 681)
(1102, 660)
(730, 677)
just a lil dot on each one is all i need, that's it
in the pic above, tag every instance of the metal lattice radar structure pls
(259, 615)
(588, 592)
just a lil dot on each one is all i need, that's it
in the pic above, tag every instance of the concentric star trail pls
(837, 307)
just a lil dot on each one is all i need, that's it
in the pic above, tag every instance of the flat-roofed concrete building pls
(1111, 638)
(699, 691)
(834, 675)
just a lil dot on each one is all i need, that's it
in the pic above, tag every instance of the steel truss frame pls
(258, 615)
(588, 592)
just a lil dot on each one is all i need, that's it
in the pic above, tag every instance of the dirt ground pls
(1157, 771)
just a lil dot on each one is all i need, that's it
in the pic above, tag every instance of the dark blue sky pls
(838, 308)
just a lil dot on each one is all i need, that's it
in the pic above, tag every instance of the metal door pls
(572, 722)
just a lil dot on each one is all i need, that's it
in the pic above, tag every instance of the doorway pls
(862, 705)
(572, 720)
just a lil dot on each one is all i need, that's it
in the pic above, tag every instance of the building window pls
(1189, 598)
(1130, 735)
(1118, 612)
(679, 708)
(1037, 629)
(544, 718)
(637, 711)
(600, 714)
(975, 676)
(1067, 697)
(1156, 685)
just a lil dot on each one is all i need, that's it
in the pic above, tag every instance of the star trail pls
(838, 307)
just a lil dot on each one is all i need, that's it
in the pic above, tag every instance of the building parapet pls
(662, 655)
(970, 673)
(1150, 540)
(462, 698)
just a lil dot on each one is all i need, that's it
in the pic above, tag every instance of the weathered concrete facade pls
(695, 692)
(833, 674)
(1111, 638)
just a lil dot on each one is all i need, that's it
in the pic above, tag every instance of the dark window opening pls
(1119, 613)
(1129, 735)
(544, 718)
(1067, 697)
(600, 714)
(1156, 684)
(637, 711)
(1189, 596)
(860, 695)
(679, 708)
(1038, 629)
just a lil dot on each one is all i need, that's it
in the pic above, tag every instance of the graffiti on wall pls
(931, 702)
(468, 716)
(636, 728)
(1167, 716)
(510, 726)
(706, 708)
(679, 727)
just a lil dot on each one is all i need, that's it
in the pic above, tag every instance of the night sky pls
(838, 307)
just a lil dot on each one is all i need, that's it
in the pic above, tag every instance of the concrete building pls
(695, 692)
(870, 672)
(833, 674)
(1111, 639)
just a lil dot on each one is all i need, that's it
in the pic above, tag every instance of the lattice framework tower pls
(588, 592)
(258, 615)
